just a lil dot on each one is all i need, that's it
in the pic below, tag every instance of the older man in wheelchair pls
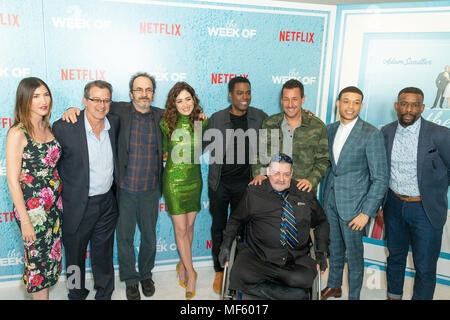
(274, 260)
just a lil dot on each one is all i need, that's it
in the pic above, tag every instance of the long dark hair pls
(170, 114)
(24, 97)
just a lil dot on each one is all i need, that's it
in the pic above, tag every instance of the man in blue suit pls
(415, 206)
(353, 190)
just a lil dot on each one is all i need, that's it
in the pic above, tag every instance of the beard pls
(407, 122)
(142, 103)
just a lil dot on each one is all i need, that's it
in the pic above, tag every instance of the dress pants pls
(96, 228)
(439, 97)
(248, 270)
(406, 224)
(342, 240)
(227, 194)
(141, 209)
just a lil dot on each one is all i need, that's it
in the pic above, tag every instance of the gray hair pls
(142, 74)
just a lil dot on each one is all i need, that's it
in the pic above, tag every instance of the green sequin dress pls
(182, 178)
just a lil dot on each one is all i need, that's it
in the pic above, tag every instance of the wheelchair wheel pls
(228, 294)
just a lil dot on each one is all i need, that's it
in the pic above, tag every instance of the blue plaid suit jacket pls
(360, 178)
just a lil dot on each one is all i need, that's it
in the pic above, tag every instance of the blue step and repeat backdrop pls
(205, 43)
(380, 48)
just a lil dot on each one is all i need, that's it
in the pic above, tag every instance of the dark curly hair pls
(170, 114)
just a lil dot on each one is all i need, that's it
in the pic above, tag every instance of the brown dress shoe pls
(330, 292)
(217, 286)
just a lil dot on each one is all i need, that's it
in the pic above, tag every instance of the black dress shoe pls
(78, 294)
(133, 292)
(148, 287)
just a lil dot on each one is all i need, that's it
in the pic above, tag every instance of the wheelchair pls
(269, 290)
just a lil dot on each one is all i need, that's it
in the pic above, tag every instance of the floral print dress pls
(42, 194)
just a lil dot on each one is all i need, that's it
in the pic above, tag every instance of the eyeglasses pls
(282, 157)
(100, 101)
(141, 91)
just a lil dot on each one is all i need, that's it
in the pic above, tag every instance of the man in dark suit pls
(278, 217)
(415, 206)
(140, 176)
(441, 83)
(228, 179)
(88, 170)
(353, 190)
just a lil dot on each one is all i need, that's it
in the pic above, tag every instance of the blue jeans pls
(407, 224)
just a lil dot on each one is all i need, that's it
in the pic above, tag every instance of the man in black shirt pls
(278, 217)
(230, 171)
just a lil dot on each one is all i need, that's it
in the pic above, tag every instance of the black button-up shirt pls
(260, 211)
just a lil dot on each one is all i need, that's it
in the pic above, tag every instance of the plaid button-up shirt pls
(142, 168)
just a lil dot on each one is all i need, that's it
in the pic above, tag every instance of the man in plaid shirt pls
(140, 176)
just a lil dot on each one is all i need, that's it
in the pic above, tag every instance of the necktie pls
(288, 227)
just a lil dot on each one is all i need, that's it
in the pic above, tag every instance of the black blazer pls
(123, 110)
(261, 208)
(73, 166)
(221, 120)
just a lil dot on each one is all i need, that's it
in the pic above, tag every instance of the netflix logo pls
(7, 217)
(160, 28)
(6, 123)
(217, 78)
(296, 36)
(82, 74)
(9, 20)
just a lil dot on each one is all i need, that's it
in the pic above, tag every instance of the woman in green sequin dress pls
(182, 179)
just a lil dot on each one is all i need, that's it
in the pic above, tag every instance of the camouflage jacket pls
(309, 151)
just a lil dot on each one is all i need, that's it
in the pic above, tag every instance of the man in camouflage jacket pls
(297, 133)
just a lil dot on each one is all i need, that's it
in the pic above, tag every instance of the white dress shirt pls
(101, 163)
(341, 136)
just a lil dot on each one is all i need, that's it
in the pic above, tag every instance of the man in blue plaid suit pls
(353, 190)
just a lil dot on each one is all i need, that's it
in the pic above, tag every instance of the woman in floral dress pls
(35, 187)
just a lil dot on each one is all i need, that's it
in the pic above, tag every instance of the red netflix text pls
(297, 36)
(160, 28)
(7, 217)
(6, 122)
(9, 19)
(224, 77)
(82, 74)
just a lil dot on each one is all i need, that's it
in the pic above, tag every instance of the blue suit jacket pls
(433, 167)
(359, 179)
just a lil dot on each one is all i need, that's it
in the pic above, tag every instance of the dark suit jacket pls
(433, 167)
(441, 81)
(260, 210)
(123, 110)
(73, 167)
(221, 120)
